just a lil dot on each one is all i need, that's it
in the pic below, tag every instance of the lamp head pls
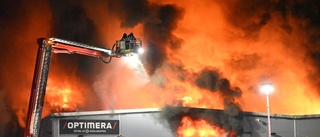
(267, 88)
(140, 50)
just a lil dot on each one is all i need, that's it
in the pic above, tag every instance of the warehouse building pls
(148, 123)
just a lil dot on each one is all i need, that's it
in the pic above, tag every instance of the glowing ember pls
(198, 128)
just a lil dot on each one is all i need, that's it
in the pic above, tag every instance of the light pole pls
(267, 88)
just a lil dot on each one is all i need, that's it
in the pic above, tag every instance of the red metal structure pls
(127, 46)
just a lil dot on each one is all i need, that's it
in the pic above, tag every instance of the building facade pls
(148, 123)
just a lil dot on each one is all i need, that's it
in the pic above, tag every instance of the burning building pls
(176, 121)
(211, 54)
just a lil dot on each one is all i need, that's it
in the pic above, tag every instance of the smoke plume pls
(228, 119)
(159, 21)
(213, 53)
(211, 80)
(174, 115)
(70, 22)
(20, 24)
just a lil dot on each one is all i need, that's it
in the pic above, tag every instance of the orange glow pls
(210, 40)
(198, 128)
(18, 40)
(186, 100)
(60, 99)
(273, 56)
(200, 99)
(64, 95)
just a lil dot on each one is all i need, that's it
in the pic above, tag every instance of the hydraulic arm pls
(127, 46)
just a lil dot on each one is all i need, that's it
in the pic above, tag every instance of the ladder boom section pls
(127, 46)
(70, 47)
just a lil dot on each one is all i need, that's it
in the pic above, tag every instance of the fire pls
(246, 61)
(61, 99)
(198, 128)
(248, 41)
(186, 100)
(62, 96)
(191, 125)
(200, 99)
(197, 102)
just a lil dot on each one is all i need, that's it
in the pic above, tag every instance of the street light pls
(267, 88)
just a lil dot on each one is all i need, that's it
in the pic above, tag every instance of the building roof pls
(106, 112)
(158, 110)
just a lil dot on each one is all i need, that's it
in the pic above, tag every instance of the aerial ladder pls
(128, 45)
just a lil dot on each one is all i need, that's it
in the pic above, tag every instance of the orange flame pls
(61, 96)
(60, 99)
(244, 61)
(198, 128)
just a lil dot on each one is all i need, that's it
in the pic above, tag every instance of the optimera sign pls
(89, 126)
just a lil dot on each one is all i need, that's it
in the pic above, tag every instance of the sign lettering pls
(89, 126)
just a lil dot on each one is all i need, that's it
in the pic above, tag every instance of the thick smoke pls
(159, 22)
(228, 119)
(174, 115)
(295, 16)
(308, 11)
(22, 23)
(15, 56)
(210, 79)
(249, 41)
(70, 22)
(12, 129)
(249, 16)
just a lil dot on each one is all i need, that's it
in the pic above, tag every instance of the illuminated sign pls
(89, 126)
